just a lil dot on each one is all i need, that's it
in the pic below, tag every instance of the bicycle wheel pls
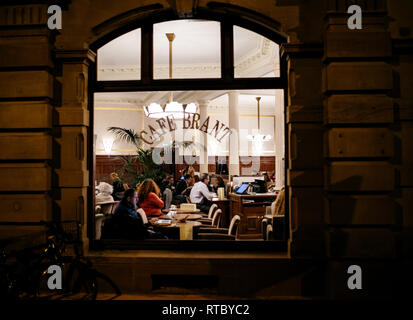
(79, 280)
(108, 281)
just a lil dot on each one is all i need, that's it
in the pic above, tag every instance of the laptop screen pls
(242, 189)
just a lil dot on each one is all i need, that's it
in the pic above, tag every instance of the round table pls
(172, 230)
(177, 210)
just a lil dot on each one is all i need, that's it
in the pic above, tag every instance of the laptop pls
(242, 189)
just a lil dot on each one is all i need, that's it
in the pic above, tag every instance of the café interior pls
(233, 137)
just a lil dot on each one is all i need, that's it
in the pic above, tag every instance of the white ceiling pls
(196, 42)
(196, 45)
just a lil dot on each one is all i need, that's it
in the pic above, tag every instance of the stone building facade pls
(349, 118)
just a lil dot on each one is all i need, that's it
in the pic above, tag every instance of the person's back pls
(181, 186)
(201, 195)
(152, 205)
(148, 198)
(126, 222)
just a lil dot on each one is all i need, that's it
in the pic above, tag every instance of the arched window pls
(221, 67)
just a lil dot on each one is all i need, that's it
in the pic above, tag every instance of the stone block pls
(73, 204)
(361, 243)
(305, 81)
(357, 44)
(306, 206)
(358, 108)
(360, 176)
(33, 145)
(74, 85)
(407, 144)
(25, 177)
(305, 178)
(342, 76)
(406, 176)
(378, 279)
(73, 148)
(25, 115)
(73, 116)
(73, 178)
(29, 51)
(308, 241)
(25, 208)
(306, 146)
(360, 143)
(362, 210)
(29, 236)
(301, 113)
(22, 84)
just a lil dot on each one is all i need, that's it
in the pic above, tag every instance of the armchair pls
(221, 233)
(273, 223)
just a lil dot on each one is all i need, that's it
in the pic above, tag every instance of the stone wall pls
(349, 115)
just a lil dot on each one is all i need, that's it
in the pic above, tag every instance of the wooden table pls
(177, 210)
(172, 230)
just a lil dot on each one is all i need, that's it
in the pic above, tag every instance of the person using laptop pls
(200, 194)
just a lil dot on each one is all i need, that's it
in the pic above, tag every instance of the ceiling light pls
(258, 138)
(172, 108)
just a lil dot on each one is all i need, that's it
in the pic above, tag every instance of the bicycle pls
(27, 276)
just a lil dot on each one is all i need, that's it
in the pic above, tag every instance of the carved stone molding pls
(23, 15)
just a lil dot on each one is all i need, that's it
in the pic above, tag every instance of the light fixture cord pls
(171, 37)
(258, 107)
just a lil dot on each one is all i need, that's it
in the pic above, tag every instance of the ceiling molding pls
(262, 60)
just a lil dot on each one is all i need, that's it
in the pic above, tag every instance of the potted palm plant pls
(143, 157)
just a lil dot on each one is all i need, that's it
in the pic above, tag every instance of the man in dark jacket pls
(126, 222)
(183, 188)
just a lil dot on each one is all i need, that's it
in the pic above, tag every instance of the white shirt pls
(200, 191)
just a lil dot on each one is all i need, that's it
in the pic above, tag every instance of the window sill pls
(225, 247)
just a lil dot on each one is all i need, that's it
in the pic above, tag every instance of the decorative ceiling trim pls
(262, 56)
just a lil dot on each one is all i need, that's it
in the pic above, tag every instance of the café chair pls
(142, 213)
(212, 223)
(115, 204)
(221, 233)
(274, 215)
(210, 212)
(99, 218)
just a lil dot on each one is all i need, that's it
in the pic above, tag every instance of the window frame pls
(227, 81)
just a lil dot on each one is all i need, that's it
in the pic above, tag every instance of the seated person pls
(219, 183)
(126, 222)
(200, 195)
(118, 186)
(105, 193)
(183, 188)
(148, 197)
(189, 170)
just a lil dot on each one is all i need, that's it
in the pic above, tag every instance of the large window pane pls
(196, 49)
(254, 55)
(120, 59)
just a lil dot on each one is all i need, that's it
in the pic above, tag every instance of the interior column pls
(233, 147)
(203, 156)
(279, 140)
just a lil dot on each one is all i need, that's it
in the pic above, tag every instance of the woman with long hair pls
(148, 198)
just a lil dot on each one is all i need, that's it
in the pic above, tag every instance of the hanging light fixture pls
(172, 108)
(258, 138)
